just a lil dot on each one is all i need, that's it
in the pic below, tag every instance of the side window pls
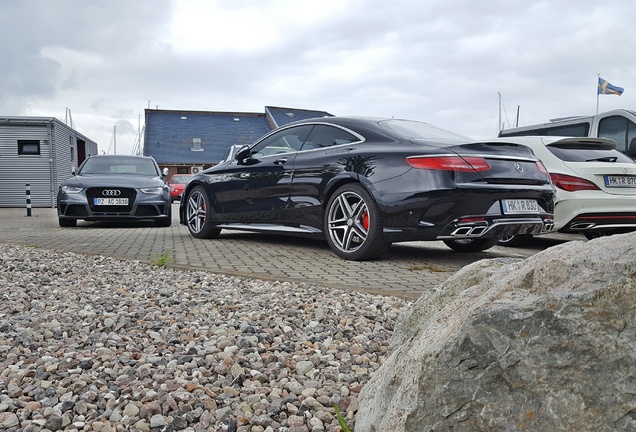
(614, 128)
(631, 138)
(575, 130)
(285, 141)
(327, 136)
(29, 147)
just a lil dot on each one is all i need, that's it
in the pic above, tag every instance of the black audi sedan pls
(115, 187)
(364, 183)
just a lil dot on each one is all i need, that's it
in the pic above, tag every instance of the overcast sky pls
(439, 61)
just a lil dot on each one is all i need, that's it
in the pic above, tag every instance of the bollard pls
(28, 199)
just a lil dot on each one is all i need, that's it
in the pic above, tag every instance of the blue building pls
(186, 142)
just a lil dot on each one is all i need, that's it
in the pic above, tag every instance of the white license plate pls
(620, 181)
(512, 206)
(110, 201)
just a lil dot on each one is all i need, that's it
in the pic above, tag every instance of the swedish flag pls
(606, 88)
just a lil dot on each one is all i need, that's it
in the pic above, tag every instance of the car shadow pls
(116, 224)
(275, 239)
(545, 241)
(404, 251)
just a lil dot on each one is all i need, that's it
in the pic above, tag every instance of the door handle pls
(280, 161)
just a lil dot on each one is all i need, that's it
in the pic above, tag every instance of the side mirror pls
(74, 171)
(165, 172)
(242, 153)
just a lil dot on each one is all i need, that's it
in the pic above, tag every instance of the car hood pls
(86, 181)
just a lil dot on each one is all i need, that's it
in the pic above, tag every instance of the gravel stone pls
(91, 343)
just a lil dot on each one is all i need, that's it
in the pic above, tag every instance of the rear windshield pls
(419, 130)
(588, 154)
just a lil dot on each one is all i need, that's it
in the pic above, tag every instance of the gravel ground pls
(89, 343)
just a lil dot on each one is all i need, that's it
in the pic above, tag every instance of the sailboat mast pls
(499, 125)
(139, 131)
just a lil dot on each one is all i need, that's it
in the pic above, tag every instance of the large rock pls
(542, 344)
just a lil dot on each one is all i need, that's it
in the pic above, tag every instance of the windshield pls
(120, 165)
(179, 179)
(584, 153)
(418, 130)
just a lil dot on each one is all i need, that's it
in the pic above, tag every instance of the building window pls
(196, 144)
(29, 147)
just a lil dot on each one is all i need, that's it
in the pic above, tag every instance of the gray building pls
(39, 151)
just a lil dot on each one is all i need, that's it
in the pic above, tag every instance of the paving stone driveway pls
(407, 270)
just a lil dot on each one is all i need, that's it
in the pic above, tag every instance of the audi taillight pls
(449, 163)
(571, 183)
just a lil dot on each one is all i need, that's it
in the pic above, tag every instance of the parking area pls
(407, 270)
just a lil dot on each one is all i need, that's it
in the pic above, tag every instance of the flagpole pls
(598, 78)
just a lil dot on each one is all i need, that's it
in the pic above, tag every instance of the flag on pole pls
(606, 88)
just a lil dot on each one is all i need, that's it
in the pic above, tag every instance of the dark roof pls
(41, 121)
(281, 116)
(169, 134)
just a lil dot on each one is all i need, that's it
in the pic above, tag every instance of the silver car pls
(115, 187)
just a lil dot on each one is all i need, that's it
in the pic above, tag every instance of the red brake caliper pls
(365, 221)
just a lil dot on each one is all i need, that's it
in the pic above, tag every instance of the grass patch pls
(341, 420)
(160, 260)
(431, 268)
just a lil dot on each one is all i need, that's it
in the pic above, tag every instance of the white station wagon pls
(595, 185)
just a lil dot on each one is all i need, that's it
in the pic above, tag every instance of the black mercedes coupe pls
(364, 183)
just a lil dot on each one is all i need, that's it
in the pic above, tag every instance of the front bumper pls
(175, 194)
(141, 207)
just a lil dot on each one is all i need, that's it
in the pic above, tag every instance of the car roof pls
(560, 141)
(114, 156)
(373, 123)
(344, 120)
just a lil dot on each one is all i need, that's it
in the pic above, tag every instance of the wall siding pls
(44, 172)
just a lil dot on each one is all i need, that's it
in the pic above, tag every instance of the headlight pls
(152, 190)
(72, 189)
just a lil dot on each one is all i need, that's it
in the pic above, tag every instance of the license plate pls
(620, 181)
(110, 201)
(512, 206)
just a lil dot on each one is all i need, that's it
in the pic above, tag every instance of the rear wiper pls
(603, 159)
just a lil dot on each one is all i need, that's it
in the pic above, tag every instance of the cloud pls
(443, 62)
